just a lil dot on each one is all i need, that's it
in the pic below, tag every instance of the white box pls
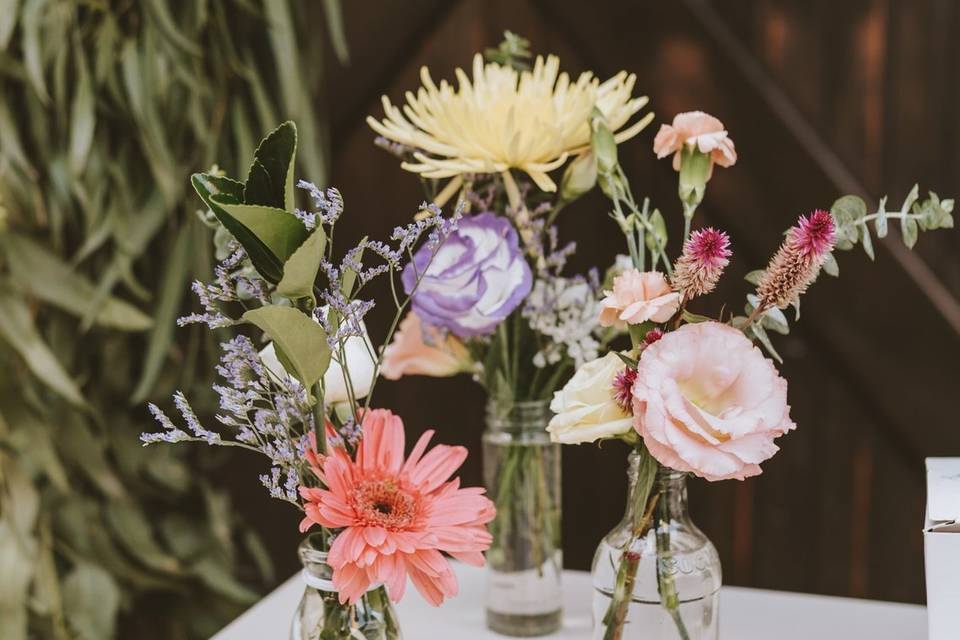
(941, 548)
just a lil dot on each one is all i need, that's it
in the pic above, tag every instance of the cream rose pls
(586, 409)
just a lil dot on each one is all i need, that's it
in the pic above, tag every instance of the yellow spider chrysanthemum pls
(502, 119)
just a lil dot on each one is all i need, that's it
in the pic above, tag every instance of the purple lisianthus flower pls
(476, 279)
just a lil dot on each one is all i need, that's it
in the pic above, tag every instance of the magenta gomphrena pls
(623, 389)
(798, 261)
(705, 255)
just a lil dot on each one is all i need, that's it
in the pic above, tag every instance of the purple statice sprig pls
(328, 206)
(234, 281)
(258, 411)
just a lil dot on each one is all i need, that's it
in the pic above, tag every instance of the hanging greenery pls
(106, 108)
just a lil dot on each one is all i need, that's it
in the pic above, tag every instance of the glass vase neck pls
(314, 560)
(669, 489)
(518, 417)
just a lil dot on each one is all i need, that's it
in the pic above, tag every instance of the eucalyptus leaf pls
(908, 228)
(880, 224)
(830, 265)
(754, 277)
(867, 241)
(298, 339)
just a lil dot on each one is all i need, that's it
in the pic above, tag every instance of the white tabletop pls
(745, 614)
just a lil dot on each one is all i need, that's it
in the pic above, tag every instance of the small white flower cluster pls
(565, 311)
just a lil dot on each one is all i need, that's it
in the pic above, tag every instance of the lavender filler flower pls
(475, 280)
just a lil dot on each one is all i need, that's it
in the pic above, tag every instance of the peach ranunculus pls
(410, 355)
(707, 401)
(638, 297)
(699, 129)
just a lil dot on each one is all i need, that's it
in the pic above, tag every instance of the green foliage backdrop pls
(106, 107)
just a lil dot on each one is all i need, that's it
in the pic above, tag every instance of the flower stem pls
(641, 510)
(665, 580)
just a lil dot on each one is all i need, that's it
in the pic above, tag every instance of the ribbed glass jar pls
(525, 562)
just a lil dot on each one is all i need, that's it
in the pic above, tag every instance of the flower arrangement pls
(695, 394)
(304, 399)
(495, 302)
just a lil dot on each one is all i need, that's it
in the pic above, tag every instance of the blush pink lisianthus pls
(420, 349)
(696, 129)
(707, 401)
(638, 297)
(397, 517)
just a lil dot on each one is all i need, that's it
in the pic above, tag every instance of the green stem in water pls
(665, 578)
(642, 513)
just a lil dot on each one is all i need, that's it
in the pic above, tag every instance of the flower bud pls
(695, 169)
(580, 176)
(604, 147)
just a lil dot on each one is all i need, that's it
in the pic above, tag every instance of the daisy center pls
(384, 504)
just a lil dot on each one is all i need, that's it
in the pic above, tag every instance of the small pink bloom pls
(638, 297)
(397, 517)
(813, 236)
(797, 262)
(623, 389)
(706, 254)
(652, 336)
(419, 349)
(699, 129)
(707, 401)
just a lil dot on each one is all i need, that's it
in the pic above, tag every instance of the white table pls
(745, 614)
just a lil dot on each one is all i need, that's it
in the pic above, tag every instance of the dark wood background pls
(821, 98)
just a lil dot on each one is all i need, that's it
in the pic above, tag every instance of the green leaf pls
(17, 328)
(908, 227)
(218, 578)
(630, 362)
(82, 117)
(279, 231)
(694, 318)
(16, 567)
(208, 187)
(830, 265)
(160, 14)
(300, 271)
(867, 241)
(755, 276)
(8, 20)
(338, 36)
(270, 179)
(764, 339)
(46, 277)
(172, 288)
(91, 600)
(31, 22)
(657, 236)
(881, 222)
(132, 529)
(297, 338)
(847, 212)
(910, 199)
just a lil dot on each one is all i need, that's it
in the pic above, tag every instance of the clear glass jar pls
(525, 562)
(656, 576)
(320, 615)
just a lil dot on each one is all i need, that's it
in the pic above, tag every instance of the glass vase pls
(320, 615)
(656, 576)
(522, 473)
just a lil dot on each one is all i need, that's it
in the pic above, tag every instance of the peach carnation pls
(706, 401)
(696, 129)
(396, 518)
(638, 297)
(419, 349)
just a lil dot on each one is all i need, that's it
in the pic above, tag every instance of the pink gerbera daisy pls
(396, 517)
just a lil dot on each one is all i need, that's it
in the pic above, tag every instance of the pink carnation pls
(699, 129)
(397, 518)
(638, 297)
(706, 401)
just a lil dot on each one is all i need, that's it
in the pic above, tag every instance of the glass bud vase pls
(522, 473)
(320, 615)
(656, 576)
